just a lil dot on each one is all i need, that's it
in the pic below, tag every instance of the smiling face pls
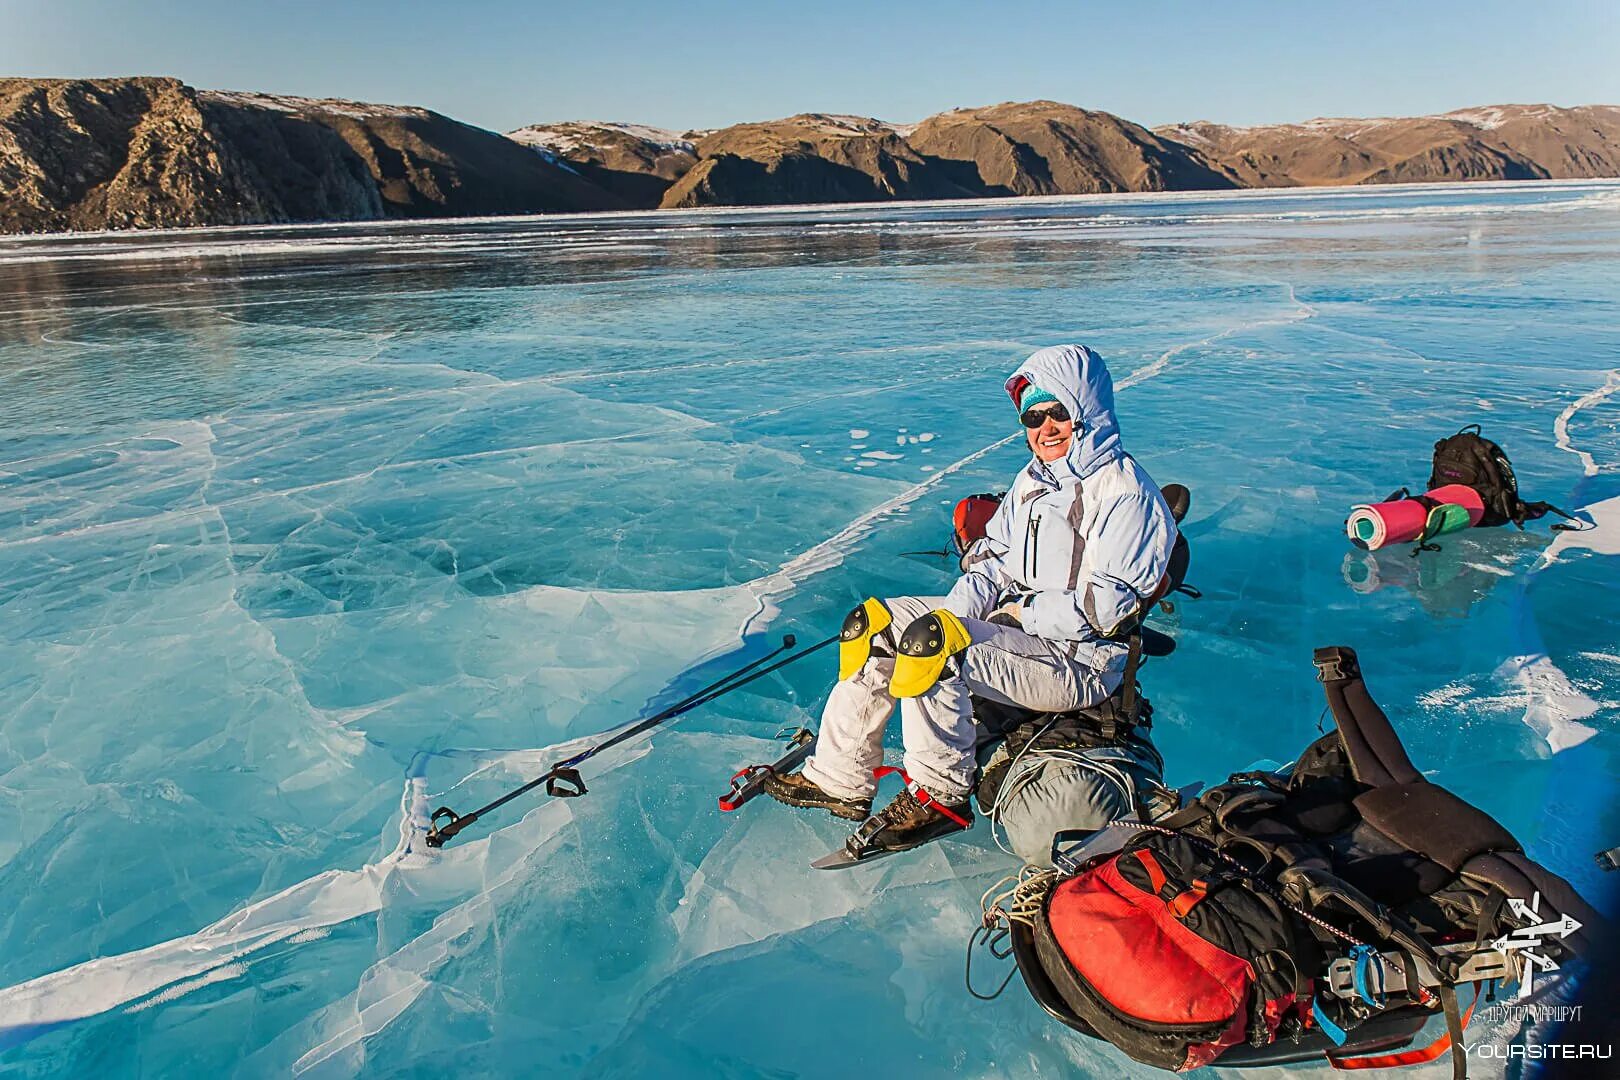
(1052, 438)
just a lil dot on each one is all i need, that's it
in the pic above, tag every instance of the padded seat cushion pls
(1429, 820)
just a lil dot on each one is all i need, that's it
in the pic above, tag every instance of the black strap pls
(1490, 915)
(992, 938)
(1133, 661)
(1454, 1028)
(1423, 536)
(1535, 510)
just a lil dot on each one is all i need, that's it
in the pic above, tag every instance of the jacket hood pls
(1078, 378)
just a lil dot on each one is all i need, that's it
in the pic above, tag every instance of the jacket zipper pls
(1035, 547)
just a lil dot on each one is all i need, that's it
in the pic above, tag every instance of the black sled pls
(1305, 880)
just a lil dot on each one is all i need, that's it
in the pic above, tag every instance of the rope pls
(1270, 889)
(1020, 902)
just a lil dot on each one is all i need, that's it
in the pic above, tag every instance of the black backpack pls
(1469, 458)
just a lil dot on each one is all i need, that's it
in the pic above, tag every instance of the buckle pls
(1334, 664)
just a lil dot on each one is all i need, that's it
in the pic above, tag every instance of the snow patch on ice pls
(1603, 537)
(859, 433)
(223, 973)
(1554, 706)
(883, 455)
(1561, 424)
(1444, 697)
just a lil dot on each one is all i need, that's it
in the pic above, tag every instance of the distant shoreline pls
(141, 153)
(810, 209)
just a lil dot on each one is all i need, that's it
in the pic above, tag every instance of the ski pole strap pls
(555, 783)
(437, 835)
(920, 793)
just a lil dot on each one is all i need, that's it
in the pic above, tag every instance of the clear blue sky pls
(706, 63)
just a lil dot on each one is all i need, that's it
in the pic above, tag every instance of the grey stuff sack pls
(1046, 792)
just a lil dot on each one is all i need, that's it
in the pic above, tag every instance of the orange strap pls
(1185, 902)
(1406, 1057)
(1155, 872)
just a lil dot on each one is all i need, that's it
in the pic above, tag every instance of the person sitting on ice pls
(1074, 556)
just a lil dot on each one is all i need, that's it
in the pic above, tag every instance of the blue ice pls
(297, 525)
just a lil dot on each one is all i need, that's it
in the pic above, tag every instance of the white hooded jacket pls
(1087, 538)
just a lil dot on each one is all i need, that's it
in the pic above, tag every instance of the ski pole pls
(565, 772)
(563, 781)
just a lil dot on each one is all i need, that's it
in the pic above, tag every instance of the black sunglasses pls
(1035, 416)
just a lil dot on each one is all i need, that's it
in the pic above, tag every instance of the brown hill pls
(1500, 142)
(811, 158)
(1048, 148)
(637, 162)
(153, 152)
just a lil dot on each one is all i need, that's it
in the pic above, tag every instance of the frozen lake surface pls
(291, 516)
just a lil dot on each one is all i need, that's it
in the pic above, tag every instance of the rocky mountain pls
(812, 158)
(1033, 148)
(154, 152)
(1048, 148)
(1499, 142)
(635, 161)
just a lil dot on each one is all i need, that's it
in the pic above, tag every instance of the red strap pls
(1406, 1057)
(1155, 872)
(922, 795)
(1185, 902)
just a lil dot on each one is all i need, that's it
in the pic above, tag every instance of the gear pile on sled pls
(1327, 911)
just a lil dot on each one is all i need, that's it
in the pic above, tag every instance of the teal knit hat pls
(1033, 396)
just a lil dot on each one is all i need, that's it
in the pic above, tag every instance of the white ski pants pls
(1003, 663)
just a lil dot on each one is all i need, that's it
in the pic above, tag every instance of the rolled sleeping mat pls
(1447, 509)
(1373, 525)
(1462, 504)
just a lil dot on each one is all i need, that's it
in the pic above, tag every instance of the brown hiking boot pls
(796, 789)
(910, 821)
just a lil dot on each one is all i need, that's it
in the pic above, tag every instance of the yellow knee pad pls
(925, 647)
(861, 625)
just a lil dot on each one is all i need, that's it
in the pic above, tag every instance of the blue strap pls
(1329, 1028)
(1369, 962)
